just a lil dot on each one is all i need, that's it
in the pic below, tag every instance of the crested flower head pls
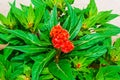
(60, 39)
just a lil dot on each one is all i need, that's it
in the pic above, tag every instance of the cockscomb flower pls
(60, 39)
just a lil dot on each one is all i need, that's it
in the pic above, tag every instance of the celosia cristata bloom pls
(60, 39)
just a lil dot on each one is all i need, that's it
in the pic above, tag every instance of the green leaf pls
(31, 16)
(53, 19)
(108, 73)
(86, 57)
(37, 3)
(6, 37)
(102, 17)
(21, 57)
(108, 30)
(112, 16)
(91, 8)
(73, 17)
(4, 20)
(115, 52)
(91, 51)
(39, 65)
(88, 41)
(39, 12)
(44, 37)
(19, 15)
(66, 23)
(7, 53)
(77, 29)
(28, 48)
(61, 70)
(117, 43)
(27, 37)
(94, 53)
(17, 70)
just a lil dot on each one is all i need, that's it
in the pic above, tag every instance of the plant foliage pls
(80, 47)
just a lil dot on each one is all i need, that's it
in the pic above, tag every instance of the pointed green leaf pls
(37, 3)
(39, 12)
(108, 73)
(108, 30)
(4, 20)
(31, 16)
(19, 15)
(7, 53)
(66, 23)
(61, 70)
(73, 17)
(92, 8)
(93, 54)
(77, 29)
(102, 16)
(27, 37)
(88, 41)
(53, 19)
(39, 65)
(112, 16)
(28, 48)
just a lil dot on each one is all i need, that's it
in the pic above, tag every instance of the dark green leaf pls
(77, 29)
(19, 15)
(39, 12)
(102, 16)
(39, 65)
(108, 73)
(28, 48)
(91, 51)
(53, 19)
(112, 16)
(61, 70)
(73, 17)
(88, 41)
(108, 30)
(7, 53)
(27, 37)
(66, 23)
(37, 3)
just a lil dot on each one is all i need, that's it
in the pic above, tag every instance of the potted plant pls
(51, 40)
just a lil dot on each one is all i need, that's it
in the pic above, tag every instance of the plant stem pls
(57, 55)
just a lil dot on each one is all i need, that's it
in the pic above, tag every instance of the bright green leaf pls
(88, 41)
(62, 70)
(28, 48)
(77, 29)
(53, 19)
(39, 65)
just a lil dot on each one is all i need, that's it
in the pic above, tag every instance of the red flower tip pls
(78, 65)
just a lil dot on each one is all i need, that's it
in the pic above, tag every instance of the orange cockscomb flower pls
(60, 39)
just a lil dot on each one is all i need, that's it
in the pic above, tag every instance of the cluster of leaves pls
(28, 53)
